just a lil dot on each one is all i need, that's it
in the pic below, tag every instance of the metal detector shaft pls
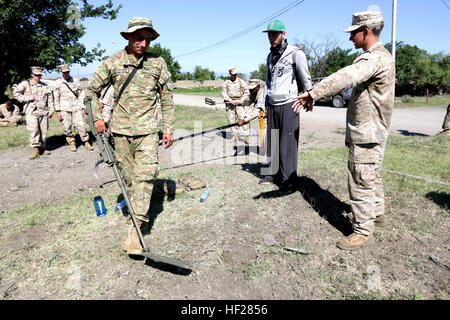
(208, 130)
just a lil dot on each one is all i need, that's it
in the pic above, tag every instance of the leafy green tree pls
(337, 59)
(202, 74)
(417, 71)
(260, 73)
(45, 33)
(173, 65)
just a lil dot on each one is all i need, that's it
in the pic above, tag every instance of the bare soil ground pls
(234, 240)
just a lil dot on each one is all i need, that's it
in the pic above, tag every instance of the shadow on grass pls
(322, 201)
(442, 199)
(411, 134)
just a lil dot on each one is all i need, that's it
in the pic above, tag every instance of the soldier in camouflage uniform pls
(37, 98)
(134, 122)
(446, 124)
(372, 76)
(10, 115)
(70, 108)
(234, 93)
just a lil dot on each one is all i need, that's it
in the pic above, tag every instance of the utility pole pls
(394, 27)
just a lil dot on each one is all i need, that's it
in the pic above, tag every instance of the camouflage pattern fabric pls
(135, 123)
(446, 123)
(107, 98)
(136, 112)
(235, 90)
(372, 76)
(256, 103)
(365, 185)
(65, 100)
(36, 111)
(9, 116)
(137, 159)
(70, 106)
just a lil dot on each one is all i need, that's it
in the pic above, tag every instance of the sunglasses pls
(354, 32)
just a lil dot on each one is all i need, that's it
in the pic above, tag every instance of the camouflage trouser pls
(13, 119)
(137, 159)
(365, 185)
(235, 113)
(75, 118)
(37, 126)
(107, 112)
(446, 124)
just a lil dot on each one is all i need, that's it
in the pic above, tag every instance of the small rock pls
(297, 250)
(269, 240)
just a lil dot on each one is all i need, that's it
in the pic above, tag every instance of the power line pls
(445, 4)
(243, 32)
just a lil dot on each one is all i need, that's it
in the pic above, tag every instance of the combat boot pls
(355, 241)
(35, 153)
(247, 140)
(88, 146)
(380, 221)
(132, 244)
(71, 142)
(234, 139)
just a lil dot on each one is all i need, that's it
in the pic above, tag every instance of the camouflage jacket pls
(235, 90)
(8, 114)
(65, 100)
(43, 102)
(256, 103)
(372, 77)
(136, 112)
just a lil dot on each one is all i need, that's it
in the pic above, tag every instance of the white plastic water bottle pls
(122, 204)
(204, 195)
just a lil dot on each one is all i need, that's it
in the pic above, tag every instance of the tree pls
(202, 74)
(416, 70)
(173, 66)
(260, 73)
(45, 33)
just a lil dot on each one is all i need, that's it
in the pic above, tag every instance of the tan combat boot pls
(35, 153)
(247, 140)
(234, 139)
(88, 146)
(132, 245)
(355, 241)
(380, 221)
(71, 142)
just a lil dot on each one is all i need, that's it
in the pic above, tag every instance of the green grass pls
(200, 91)
(408, 101)
(186, 116)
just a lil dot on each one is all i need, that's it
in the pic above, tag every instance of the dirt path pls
(63, 174)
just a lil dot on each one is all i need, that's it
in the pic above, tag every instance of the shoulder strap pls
(106, 90)
(130, 77)
(76, 96)
(294, 66)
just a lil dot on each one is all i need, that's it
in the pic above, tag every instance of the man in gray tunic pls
(372, 77)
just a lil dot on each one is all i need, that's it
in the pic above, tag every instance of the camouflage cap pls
(64, 68)
(253, 83)
(138, 23)
(36, 70)
(232, 70)
(365, 18)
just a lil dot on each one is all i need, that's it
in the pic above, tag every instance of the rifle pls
(109, 159)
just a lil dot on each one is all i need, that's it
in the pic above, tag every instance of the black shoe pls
(266, 180)
(287, 188)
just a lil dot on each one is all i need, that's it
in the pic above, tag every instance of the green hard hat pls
(275, 25)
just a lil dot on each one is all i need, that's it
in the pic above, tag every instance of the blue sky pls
(186, 26)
